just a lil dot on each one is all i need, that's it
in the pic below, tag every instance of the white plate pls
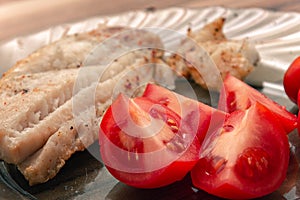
(276, 36)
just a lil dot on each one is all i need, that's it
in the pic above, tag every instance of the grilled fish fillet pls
(229, 56)
(37, 96)
(77, 134)
(68, 52)
(21, 132)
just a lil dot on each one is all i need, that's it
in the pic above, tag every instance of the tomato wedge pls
(145, 144)
(203, 118)
(298, 128)
(237, 95)
(291, 81)
(298, 112)
(248, 159)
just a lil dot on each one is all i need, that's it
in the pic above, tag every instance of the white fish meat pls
(80, 132)
(41, 94)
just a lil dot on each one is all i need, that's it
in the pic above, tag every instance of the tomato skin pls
(254, 136)
(126, 155)
(298, 112)
(291, 79)
(298, 127)
(237, 95)
(176, 171)
(298, 102)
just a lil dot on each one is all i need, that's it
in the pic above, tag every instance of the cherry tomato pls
(145, 144)
(298, 127)
(291, 80)
(237, 95)
(248, 159)
(203, 118)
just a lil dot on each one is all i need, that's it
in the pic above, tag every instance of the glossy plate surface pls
(276, 36)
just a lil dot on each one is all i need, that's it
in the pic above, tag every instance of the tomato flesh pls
(291, 79)
(248, 159)
(145, 144)
(201, 117)
(237, 95)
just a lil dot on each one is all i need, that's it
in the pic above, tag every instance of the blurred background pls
(21, 17)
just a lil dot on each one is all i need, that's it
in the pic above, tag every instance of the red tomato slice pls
(248, 159)
(291, 79)
(298, 128)
(237, 95)
(145, 144)
(299, 112)
(201, 117)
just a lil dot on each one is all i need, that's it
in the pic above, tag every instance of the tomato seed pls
(171, 122)
(214, 165)
(177, 144)
(220, 165)
(173, 125)
(174, 129)
(253, 163)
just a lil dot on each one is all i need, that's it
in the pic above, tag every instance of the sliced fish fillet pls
(52, 101)
(22, 113)
(36, 93)
(68, 52)
(80, 132)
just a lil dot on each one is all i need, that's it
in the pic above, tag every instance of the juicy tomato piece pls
(298, 123)
(145, 144)
(237, 95)
(248, 159)
(291, 79)
(201, 117)
(298, 127)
